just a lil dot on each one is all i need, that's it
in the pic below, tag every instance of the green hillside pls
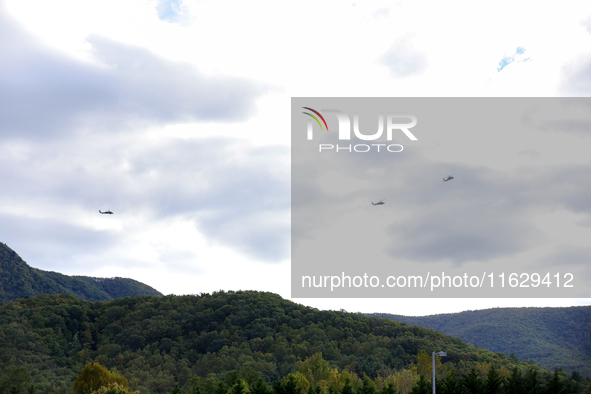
(551, 337)
(18, 280)
(212, 340)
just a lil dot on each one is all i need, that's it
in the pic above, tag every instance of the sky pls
(175, 115)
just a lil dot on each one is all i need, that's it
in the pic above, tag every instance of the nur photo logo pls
(393, 123)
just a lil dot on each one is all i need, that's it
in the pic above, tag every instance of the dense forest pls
(18, 280)
(238, 342)
(551, 337)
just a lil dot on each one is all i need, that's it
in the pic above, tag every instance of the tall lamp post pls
(440, 354)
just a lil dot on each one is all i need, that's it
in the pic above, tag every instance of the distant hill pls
(551, 337)
(19, 280)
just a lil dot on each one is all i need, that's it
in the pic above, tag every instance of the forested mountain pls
(552, 337)
(213, 341)
(18, 280)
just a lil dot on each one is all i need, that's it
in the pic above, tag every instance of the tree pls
(532, 383)
(515, 383)
(555, 385)
(221, 388)
(425, 364)
(114, 388)
(368, 387)
(389, 389)
(175, 389)
(494, 382)
(315, 369)
(347, 389)
(289, 386)
(94, 376)
(422, 386)
(16, 380)
(259, 387)
(451, 384)
(240, 387)
(472, 382)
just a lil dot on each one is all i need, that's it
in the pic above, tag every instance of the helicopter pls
(449, 178)
(106, 212)
(381, 202)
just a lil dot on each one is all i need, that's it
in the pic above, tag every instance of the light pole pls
(440, 354)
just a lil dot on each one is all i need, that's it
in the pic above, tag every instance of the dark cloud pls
(44, 94)
(484, 214)
(511, 180)
(403, 60)
(570, 116)
(467, 231)
(567, 255)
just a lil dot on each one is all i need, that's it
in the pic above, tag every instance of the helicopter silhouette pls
(381, 202)
(106, 212)
(449, 178)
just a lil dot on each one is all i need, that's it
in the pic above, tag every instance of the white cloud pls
(576, 79)
(45, 94)
(403, 59)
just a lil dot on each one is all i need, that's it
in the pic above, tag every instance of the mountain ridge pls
(550, 336)
(19, 280)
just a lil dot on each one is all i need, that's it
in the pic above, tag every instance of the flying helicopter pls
(449, 178)
(106, 212)
(381, 202)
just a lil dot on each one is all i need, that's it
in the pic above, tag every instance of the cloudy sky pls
(176, 116)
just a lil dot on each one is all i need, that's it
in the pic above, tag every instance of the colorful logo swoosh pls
(315, 118)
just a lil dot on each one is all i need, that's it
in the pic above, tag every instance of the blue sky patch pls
(171, 10)
(516, 57)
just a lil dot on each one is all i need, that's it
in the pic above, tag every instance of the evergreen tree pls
(368, 387)
(260, 387)
(532, 383)
(422, 386)
(347, 389)
(494, 382)
(288, 386)
(472, 382)
(389, 389)
(222, 388)
(450, 384)
(515, 384)
(239, 387)
(555, 385)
